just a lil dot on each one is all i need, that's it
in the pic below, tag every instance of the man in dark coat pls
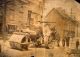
(77, 44)
(63, 42)
(67, 41)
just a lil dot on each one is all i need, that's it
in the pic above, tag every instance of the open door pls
(0, 27)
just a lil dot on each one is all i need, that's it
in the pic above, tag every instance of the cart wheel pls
(51, 45)
(24, 47)
(38, 44)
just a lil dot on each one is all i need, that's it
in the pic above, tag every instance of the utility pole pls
(77, 30)
(29, 17)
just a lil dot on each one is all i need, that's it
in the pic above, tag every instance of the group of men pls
(52, 34)
(65, 41)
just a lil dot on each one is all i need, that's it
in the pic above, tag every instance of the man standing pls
(63, 42)
(77, 43)
(67, 41)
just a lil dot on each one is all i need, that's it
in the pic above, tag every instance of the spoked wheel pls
(51, 45)
(38, 44)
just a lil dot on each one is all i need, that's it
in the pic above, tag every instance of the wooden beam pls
(45, 22)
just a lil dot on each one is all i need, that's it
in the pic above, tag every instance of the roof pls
(66, 16)
(63, 15)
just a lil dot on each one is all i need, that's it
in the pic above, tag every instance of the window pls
(29, 16)
(29, 13)
(11, 28)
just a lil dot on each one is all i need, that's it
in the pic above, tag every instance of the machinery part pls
(19, 42)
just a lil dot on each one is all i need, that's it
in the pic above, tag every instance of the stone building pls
(71, 7)
(63, 23)
(22, 13)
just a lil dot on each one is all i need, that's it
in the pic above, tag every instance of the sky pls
(67, 5)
